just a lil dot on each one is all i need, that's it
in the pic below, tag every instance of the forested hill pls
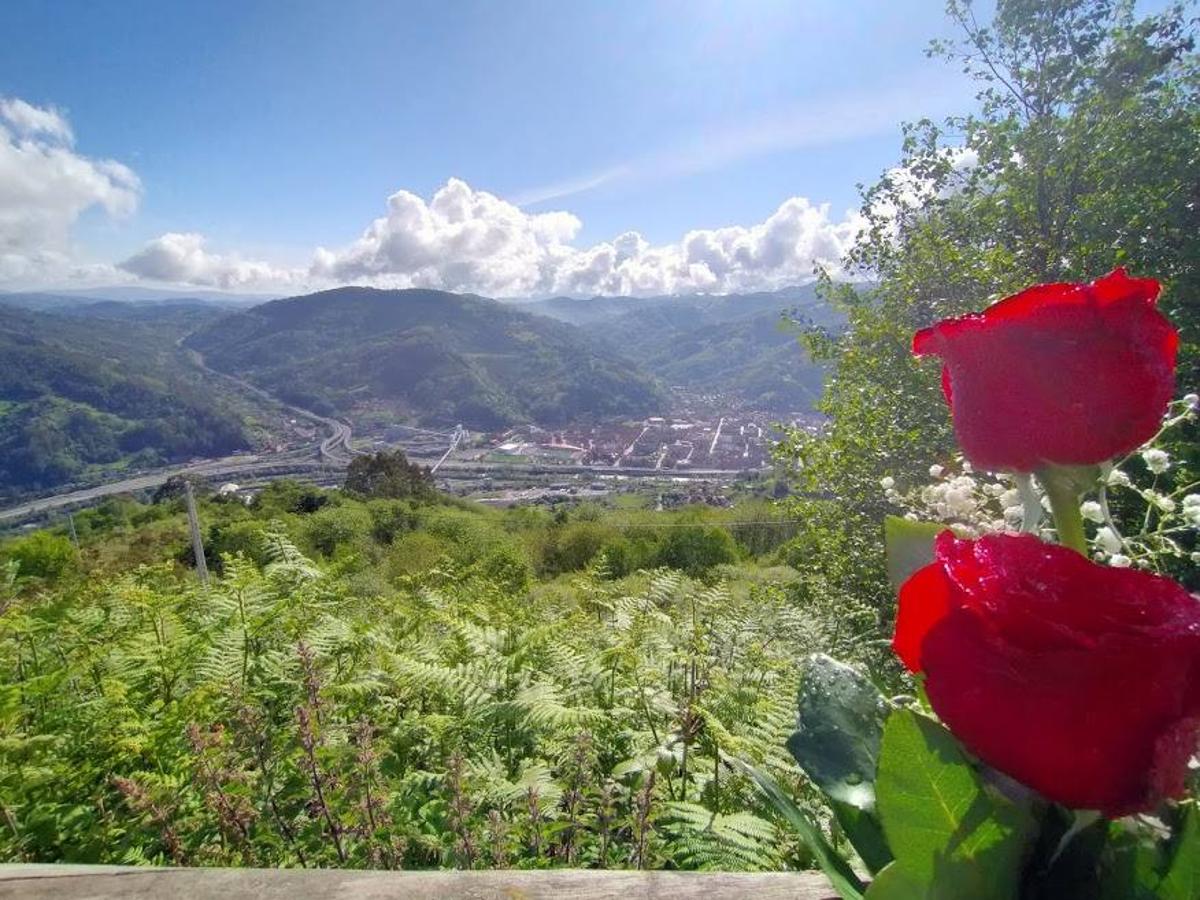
(102, 388)
(435, 356)
(735, 344)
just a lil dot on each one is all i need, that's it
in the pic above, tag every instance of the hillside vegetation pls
(436, 357)
(387, 682)
(101, 388)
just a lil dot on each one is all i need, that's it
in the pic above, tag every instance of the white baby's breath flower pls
(935, 471)
(1011, 497)
(1191, 512)
(1157, 461)
(1117, 478)
(1119, 561)
(966, 466)
(1192, 401)
(1092, 511)
(1196, 557)
(1163, 502)
(887, 482)
(1108, 540)
(1014, 513)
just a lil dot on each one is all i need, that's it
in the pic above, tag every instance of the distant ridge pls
(730, 344)
(434, 356)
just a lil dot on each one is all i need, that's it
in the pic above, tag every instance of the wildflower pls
(1157, 461)
(1117, 478)
(1092, 511)
(1109, 540)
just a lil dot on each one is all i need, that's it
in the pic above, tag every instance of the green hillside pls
(734, 344)
(95, 390)
(436, 357)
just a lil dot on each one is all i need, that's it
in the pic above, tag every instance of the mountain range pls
(92, 386)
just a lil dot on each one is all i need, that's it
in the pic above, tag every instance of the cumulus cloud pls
(464, 239)
(181, 257)
(45, 185)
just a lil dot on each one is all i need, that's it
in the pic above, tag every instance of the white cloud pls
(468, 240)
(181, 258)
(44, 188)
(28, 120)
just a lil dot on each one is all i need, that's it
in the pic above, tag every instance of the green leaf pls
(848, 885)
(946, 829)
(836, 743)
(1132, 862)
(1182, 878)
(909, 547)
(895, 883)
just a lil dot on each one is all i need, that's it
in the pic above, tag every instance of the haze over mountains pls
(737, 345)
(91, 387)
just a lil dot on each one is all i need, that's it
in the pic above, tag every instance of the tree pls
(388, 474)
(1082, 157)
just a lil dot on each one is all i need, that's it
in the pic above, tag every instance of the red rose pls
(1073, 374)
(1079, 680)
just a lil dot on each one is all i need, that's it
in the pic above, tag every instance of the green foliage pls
(909, 547)
(838, 733)
(82, 396)
(414, 697)
(40, 555)
(1082, 157)
(388, 474)
(951, 835)
(697, 550)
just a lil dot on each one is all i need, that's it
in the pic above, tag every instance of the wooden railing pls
(64, 882)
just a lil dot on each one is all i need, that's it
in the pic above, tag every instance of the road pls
(336, 447)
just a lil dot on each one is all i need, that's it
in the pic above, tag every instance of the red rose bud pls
(1072, 374)
(1082, 681)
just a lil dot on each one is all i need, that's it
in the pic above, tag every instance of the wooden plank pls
(64, 882)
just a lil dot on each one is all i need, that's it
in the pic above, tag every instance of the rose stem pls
(1064, 506)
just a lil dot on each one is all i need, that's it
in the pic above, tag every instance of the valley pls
(553, 410)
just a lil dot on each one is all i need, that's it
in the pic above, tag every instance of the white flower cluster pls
(1191, 510)
(974, 505)
(1157, 461)
(970, 505)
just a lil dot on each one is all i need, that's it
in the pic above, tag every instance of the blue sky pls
(262, 131)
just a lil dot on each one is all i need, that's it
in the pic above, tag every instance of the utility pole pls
(194, 525)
